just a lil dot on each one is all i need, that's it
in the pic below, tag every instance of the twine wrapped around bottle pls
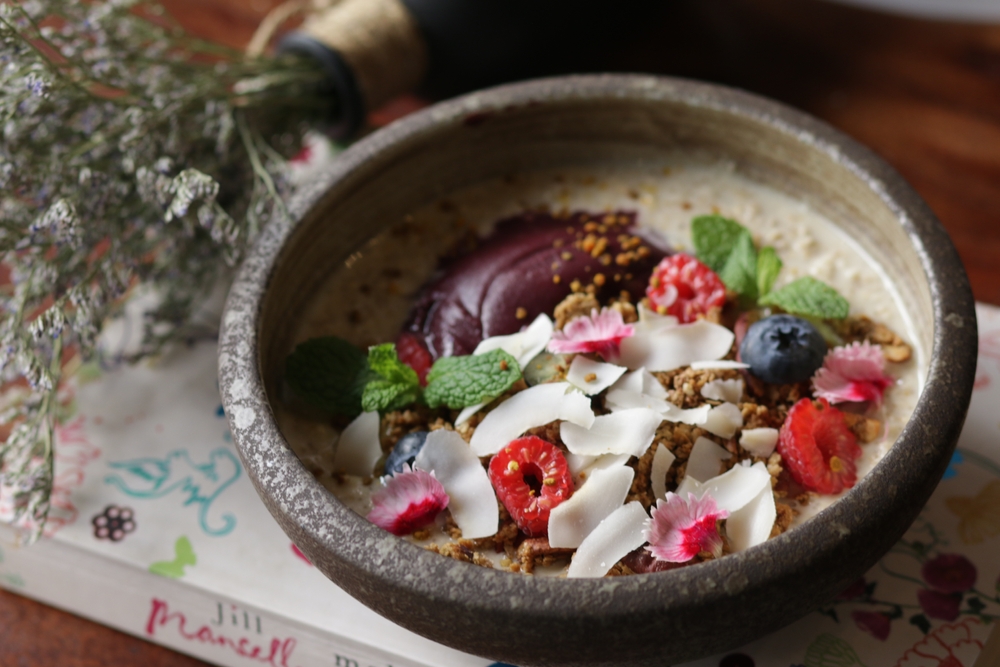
(378, 39)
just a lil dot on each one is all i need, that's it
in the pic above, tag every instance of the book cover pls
(156, 530)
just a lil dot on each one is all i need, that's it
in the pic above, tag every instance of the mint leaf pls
(384, 396)
(739, 273)
(459, 382)
(714, 238)
(808, 296)
(382, 359)
(768, 266)
(328, 373)
(394, 384)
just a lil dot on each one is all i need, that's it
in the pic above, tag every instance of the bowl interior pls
(561, 123)
(573, 132)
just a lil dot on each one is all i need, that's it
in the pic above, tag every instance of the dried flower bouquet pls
(132, 153)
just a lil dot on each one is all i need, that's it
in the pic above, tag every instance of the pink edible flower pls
(408, 501)
(678, 529)
(853, 373)
(601, 333)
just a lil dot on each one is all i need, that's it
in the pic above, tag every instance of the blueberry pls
(405, 451)
(782, 349)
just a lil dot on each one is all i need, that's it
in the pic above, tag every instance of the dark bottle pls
(374, 50)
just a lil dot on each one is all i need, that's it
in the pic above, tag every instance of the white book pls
(204, 568)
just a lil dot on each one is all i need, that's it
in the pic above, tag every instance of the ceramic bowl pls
(649, 619)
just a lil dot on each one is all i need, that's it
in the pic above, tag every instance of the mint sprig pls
(714, 238)
(331, 374)
(328, 373)
(394, 385)
(727, 248)
(809, 297)
(768, 267)
(739, 273)
(458, 382)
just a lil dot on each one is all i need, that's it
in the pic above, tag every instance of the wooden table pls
(925, 95)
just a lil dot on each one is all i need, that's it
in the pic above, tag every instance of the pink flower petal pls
(408, 501)
(599, 333)
(853, 373)
(678, 529)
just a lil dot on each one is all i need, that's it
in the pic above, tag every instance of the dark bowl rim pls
(283, 482)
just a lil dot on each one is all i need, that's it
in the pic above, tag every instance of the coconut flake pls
(601, 375)
(705, 460)
(759, 441)
(695, 416)
(752, 524)
(623, 432)
(576, 408)
(719, 364)
(472, 502)
(524, 345)
(617, 400)
(734, 488)
(535, 406)
(581, 466)
(651, 321)
(623, 399)
(730, 391)
(359, 448)
(673, 347)
(723, 420)
(620, 533)
(573, 520)
(690, 485)
(640, 381)
(467, 413)
(662, 460)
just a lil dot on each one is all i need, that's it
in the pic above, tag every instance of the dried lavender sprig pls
(132, 152)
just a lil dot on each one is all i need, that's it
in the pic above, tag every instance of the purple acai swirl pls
(525, 267)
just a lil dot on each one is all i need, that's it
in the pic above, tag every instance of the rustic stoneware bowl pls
(650, 619)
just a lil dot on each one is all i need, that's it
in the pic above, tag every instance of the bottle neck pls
(379, 41)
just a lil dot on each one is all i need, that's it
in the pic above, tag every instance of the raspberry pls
(531, 477)
(412, 352)
(685, 288)
(818, 448)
